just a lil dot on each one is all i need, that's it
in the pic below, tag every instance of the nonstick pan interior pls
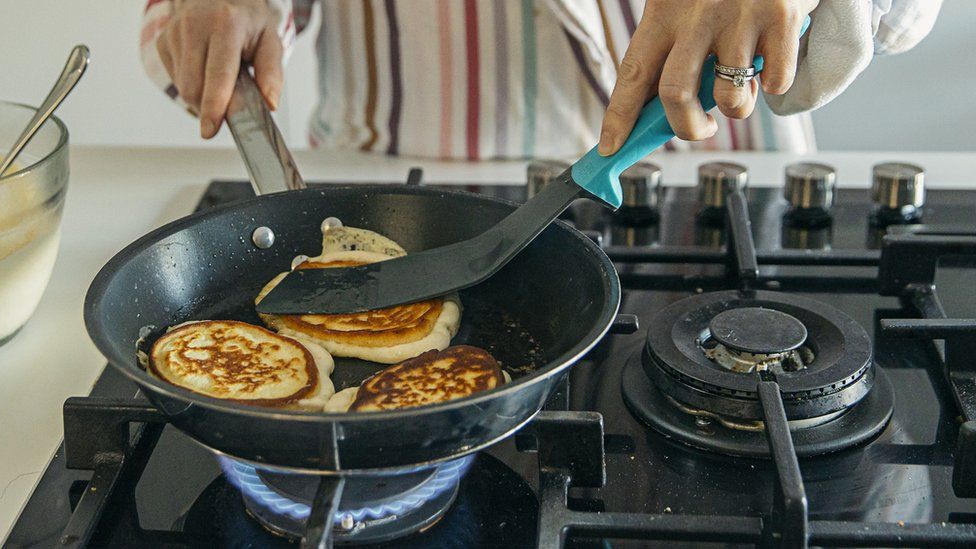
(535, 316)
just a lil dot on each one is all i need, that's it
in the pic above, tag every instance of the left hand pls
(670, 44)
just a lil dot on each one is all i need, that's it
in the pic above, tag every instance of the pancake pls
(342, 400)
(351, 239)
(434, 376)
(387, 336)
(235, 361)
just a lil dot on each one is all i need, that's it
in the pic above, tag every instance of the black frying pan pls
(538, 315)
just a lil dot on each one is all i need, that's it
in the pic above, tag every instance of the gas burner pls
(372, 509)
(696, 379)
(836, 378)
(494, 507)
(752, 339)
(715, 432)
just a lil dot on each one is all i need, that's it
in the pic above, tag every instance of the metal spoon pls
(70, 75)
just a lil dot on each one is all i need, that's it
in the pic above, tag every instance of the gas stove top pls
(779, 375)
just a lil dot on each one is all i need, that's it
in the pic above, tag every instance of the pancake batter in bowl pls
(29, 240)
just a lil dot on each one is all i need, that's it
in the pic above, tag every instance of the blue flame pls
(245, 477)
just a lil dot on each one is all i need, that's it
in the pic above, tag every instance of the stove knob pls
(898, 189)
(540, 172)
(715, 180)
(809, 187)
(641, 185)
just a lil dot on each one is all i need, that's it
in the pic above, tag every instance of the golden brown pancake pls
(379, 328)
(232, 360)
(435, 376)
(387, 335)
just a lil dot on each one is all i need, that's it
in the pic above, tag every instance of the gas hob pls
(781, 374)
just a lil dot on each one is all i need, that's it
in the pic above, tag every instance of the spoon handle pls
(73, 69)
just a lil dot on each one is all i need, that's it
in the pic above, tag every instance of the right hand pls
(202, 47)
(670, 44)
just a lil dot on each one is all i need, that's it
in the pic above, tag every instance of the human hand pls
(670, 44)
(202, 47)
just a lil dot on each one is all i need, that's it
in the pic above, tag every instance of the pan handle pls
(268, 161)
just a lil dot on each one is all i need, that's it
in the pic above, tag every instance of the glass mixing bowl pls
(31, 200)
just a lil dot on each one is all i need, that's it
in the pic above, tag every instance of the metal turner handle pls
(272, 169)
(269, 163)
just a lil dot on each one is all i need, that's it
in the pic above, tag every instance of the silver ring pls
(737, 75)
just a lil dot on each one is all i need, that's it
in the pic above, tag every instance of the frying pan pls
(538, 315)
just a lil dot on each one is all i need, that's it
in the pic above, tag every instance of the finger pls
(190, 70)
(736, 49)
(779, 46)
(637, 79)
(166, 54)
(223, 62)
(268, 72)
(678, 90)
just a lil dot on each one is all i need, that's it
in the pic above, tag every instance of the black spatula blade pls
(425, 274)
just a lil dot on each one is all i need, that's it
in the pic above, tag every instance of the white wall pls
(921, 100)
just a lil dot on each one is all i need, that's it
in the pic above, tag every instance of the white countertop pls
(118, 194)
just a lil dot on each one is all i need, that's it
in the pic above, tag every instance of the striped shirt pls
(474, 79)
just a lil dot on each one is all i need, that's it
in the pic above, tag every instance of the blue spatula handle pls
(599, 174)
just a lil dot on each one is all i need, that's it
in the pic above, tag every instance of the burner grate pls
(909, 259)
(565, 442)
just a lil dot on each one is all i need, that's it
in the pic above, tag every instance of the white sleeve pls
(844, 36)
(901, 24)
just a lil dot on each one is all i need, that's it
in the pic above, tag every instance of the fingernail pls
(606, 146)
(272, 97)
(207, 128)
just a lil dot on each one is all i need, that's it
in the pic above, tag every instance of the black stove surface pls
(903, 475)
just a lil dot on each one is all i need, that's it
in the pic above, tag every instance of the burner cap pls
(757, 330)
